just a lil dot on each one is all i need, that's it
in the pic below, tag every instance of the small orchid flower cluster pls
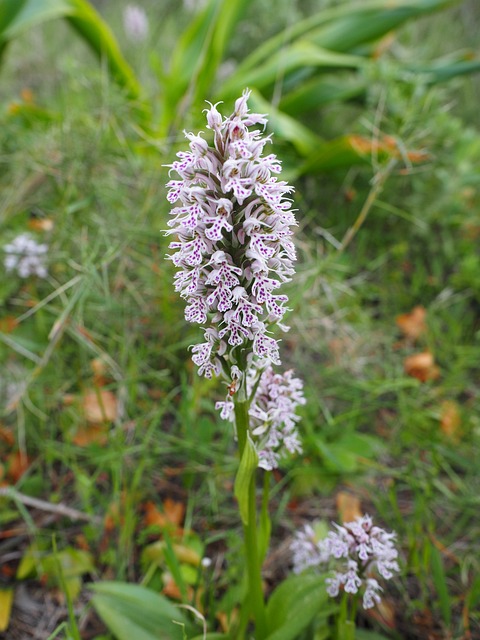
(135, 23)
(26, 256)
(273, 421)
(363, 547)
(233, 247)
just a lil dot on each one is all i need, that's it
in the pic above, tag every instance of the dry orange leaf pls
(17, 464)
(421, 366)
(171, 590)
(227, 620)
(450, 420)
(41, 224)
(99, 369)
(27, 95)
(385, 144)
(413, 324)
(348, 506)
(6, 435)
(8, 324)
(94, 433)
(113, 517)
(100, 405)
(173, 513)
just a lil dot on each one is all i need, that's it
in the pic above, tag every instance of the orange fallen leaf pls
(17, 464)
(153, 516)
(113, 517)
(100, 405)
(227, 620)
(348, 506)
(99, 369)
(8, 324)
(171, 590)
(27, 95)
(421, 366)
(172, 514)
(385, 144)
(413, 324)
(450, 421)
(94, 433)
(6, 435)
(174, 511)
(41, 224)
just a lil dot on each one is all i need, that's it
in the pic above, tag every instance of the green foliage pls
(196, 58)
(243, 479)
(294, 604)
(131, 611)
(18, 16)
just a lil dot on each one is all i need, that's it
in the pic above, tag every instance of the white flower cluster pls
(135, 23)
(363, 548)
(233, 247)
(25, 256)
(273, 421)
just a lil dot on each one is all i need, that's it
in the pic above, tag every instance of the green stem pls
(254, 588)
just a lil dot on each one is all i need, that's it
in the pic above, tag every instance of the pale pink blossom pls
(232, 225)
(361, 548)
(26, 256)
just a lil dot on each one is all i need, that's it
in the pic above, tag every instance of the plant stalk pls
(254, 587)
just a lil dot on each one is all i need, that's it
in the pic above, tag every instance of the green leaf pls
(302, 138)
(131, 611)
(8, 11)
(29, 562)
(88, 23)
(227, 19)
(294, 604)
(442, 72)
(341, 28)
(335, 154)
(320, 91)
(264, 532)
(83, 18)
(29, 14)
(6, 601)
(186, 61)
(299, 55)
(346, 629)
(440, 582)
(472, 598)
(367, 23)
(248, 464)
(174, 566)
(73, 563)
(336, 458)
